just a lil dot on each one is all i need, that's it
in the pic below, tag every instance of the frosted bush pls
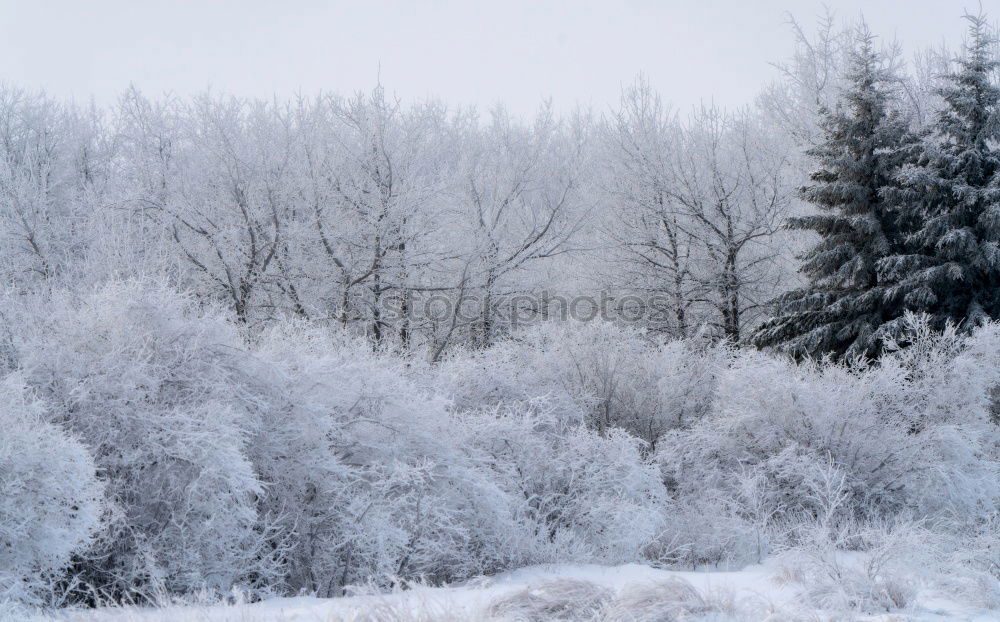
(49, 495)
(155, 387)
(909, 434)
(556, 599)
(580, 495)
(364, 472)
(601, 373)
(676, 599)
(703, 531)
(869, 567)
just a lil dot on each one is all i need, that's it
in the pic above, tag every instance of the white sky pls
(471, 52)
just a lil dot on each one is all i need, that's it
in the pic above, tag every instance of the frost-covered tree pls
(653, 250)
(517, 187)
(54, 163)
(810, 79)
(696, 206)
(950, 193)
(227, 214)
(727, 187)
(379, 187)
(844, 304)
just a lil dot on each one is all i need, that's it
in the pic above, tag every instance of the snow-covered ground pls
(629, 593)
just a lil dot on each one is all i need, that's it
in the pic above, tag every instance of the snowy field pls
(632, 592)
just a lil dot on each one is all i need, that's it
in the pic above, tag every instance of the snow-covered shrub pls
(911, 433)
(580, 495)
(156, 388)
(704, 531)
(49, 494)
(654, 600)
(385, 479)
(674, 598)
(686, 372)
(608, 375)
(972, 565)
(364, 472)
(947, 405)
(871, 567)
(556, 599)
(414, 607)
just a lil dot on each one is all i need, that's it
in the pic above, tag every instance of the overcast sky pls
(472, 52)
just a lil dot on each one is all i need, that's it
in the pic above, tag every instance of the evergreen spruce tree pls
(841, 309)
(951, 270)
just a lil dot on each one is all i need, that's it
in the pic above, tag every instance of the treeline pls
(388, 218)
